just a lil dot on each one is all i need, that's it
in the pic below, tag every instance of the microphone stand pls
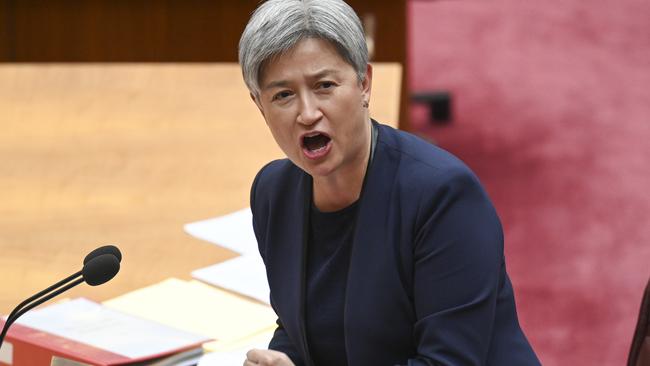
(100, 266)
(19, 312)
(42, 293)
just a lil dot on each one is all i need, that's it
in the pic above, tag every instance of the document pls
(198, 308)
(233, 231)
(245, 275)
(260, 339)
(235, 353)
(236, 357)
(91, 323)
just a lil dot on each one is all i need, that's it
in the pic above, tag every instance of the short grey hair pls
(278, 25)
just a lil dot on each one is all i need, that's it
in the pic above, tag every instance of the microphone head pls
(106, 249)
(100, 269)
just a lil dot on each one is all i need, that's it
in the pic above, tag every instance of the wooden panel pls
(207, 31)
(6, 30)
(155, 30)
(390, 27)
(390, 40)
(138, 30)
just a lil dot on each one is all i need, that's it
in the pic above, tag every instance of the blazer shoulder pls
(421, 164)
(264, 190)
(273, 169)
(271, 176)
(274, 183)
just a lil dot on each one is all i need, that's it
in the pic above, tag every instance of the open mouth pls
(316, 142)
(316, 145)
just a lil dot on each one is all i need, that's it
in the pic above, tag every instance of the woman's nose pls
(310, 112)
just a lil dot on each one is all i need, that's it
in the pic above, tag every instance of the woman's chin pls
(321, 169)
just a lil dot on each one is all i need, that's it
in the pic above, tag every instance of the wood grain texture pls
(92, 154)
(7, 37)
(159, 30)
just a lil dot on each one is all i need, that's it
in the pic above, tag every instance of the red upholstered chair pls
(640, 350)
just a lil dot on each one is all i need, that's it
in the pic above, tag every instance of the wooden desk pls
(92, 154)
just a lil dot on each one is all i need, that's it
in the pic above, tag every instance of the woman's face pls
(312, 102)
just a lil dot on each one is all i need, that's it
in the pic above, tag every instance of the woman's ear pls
(366, 84)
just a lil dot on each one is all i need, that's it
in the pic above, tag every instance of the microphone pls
(106, 249)
(100, 269)
(100, 266)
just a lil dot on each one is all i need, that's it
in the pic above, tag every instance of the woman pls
(380, 249)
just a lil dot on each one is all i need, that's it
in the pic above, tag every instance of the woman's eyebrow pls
(276, 84)
(316, 75)
(325, 72)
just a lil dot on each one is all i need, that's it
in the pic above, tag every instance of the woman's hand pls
(267, 357)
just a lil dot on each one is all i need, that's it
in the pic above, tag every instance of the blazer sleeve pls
(458, 256)
(280, 341)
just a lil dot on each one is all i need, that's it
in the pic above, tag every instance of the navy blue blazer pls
(427, 283)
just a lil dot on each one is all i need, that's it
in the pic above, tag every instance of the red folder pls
(33, 347)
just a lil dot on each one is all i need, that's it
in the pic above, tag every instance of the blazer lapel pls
(367, 256)
(289, 258)
(303, 223)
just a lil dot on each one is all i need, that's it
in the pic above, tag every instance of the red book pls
(31, 347)
(34, 347)
(27, 346)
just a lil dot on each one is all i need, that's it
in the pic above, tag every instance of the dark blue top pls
(328, 247)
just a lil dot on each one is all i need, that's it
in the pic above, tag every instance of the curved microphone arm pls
(17, 314)
(42, 293)
(100, 266)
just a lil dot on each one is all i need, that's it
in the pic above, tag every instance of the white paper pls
(96, 325)
(7, 353)
(223, 358)
(233, 231)
(233, 357)
(245, 275)
(193, 362)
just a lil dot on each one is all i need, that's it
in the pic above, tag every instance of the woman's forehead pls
(313, 57)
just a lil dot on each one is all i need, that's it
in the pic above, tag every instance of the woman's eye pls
(326, 85)
(282, 95)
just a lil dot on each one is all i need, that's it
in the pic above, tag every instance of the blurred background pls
(548, 102)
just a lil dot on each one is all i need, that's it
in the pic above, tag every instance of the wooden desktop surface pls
(125, 154)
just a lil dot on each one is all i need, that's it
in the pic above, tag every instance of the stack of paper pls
(198, 308)
(233, 231)
(245, 274)
(89, 332)
(235, 352)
